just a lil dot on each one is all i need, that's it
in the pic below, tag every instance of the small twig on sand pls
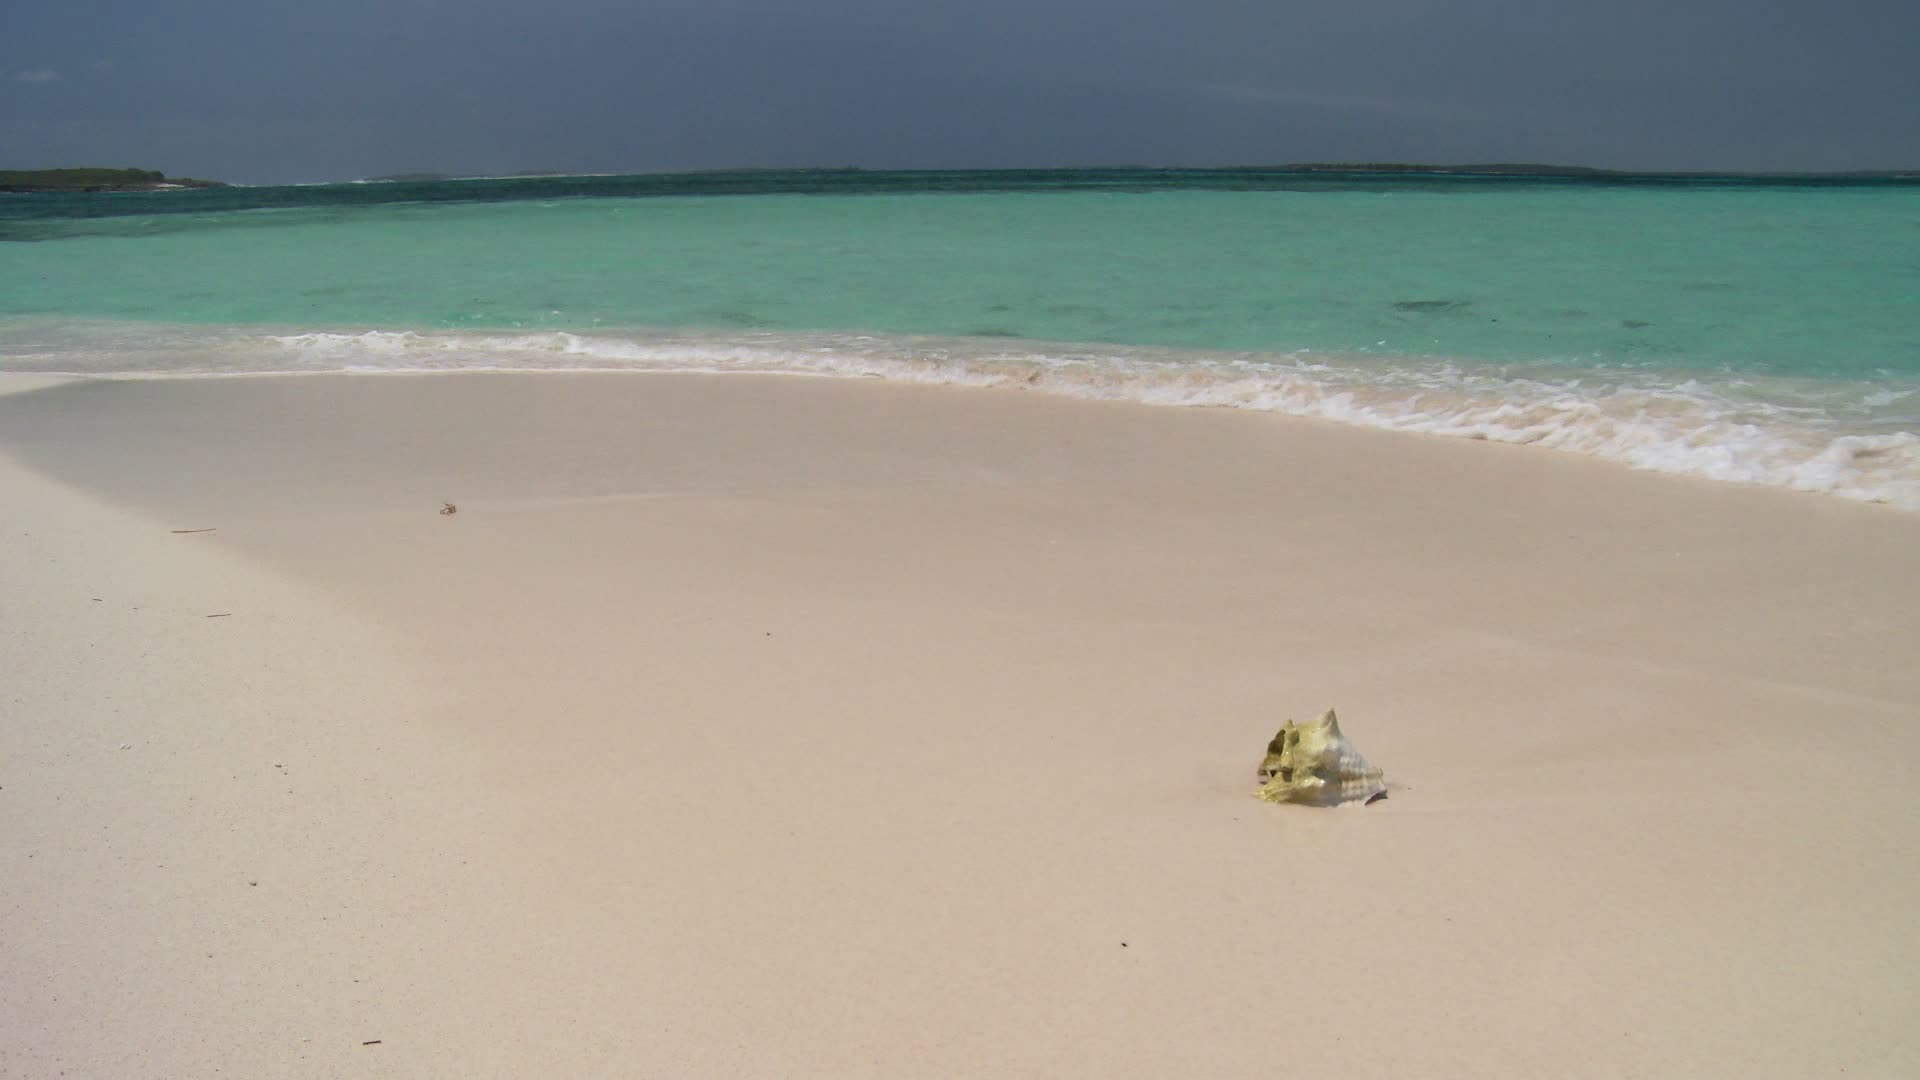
(371, 1042)
(221, 615)
(182, 532)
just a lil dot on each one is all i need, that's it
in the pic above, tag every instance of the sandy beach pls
(800, 727)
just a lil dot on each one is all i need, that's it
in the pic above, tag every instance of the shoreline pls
(1667, 422)
(850, 728)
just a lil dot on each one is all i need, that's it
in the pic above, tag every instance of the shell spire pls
(1313, 763)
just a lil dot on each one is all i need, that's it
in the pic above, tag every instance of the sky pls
(270, 91)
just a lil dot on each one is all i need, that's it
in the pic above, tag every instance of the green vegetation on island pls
(82, 180)
(1419, 168)
(1528, 170)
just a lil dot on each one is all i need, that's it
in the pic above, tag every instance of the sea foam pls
(1856, 440)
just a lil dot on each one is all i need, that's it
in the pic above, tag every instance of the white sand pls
(744, 727)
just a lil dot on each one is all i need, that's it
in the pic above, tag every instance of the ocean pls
(1760, 332)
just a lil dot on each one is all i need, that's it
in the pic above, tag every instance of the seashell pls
(1314, 763)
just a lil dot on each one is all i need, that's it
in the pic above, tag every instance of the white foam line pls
(1779, 435)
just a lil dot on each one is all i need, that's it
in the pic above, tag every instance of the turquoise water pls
(1751, 332)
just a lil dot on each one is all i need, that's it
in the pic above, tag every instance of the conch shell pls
(1315, 764)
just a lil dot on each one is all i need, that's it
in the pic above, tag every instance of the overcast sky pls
(261, 91)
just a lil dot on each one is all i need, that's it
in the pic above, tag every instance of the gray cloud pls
(36, 75)
(253, 92)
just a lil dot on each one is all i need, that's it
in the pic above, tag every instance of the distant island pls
(1512, 170)
(84, 180)
(1504, 168)
(210, 195)
(1529, 169)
